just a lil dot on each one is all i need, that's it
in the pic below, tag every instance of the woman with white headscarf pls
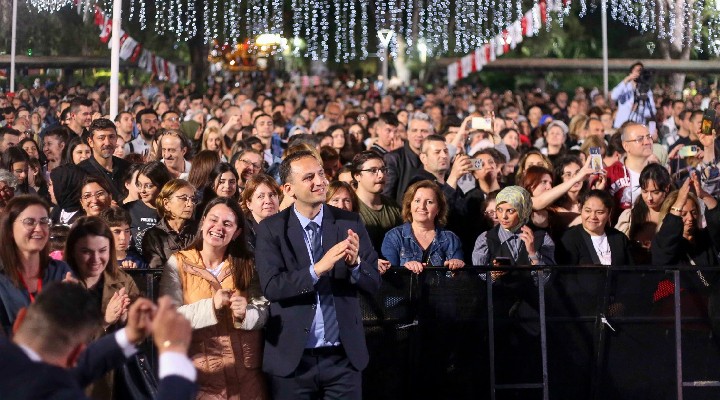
(512, 241)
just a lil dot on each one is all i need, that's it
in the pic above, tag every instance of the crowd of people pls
(230, 190)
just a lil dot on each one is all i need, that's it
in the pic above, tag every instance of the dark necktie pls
(327, 304)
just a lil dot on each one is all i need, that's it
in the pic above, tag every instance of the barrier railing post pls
(543, 336)
(491, 334)
(678, 337)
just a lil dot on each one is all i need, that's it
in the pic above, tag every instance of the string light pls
(473, 22)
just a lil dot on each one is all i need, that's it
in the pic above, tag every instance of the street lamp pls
(385, 35)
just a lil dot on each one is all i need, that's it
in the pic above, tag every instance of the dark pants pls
(320, 376)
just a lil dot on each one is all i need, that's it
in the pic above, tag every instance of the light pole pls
(12, 46)
(115, 58)
(385, 35)
(603, 12)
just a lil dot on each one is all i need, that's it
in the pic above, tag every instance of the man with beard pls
(103, 165)
(378, 213)
(147, 119)
(248, 163)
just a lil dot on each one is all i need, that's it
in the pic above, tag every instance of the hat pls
(560, 125)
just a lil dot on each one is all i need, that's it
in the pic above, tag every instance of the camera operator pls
(634, 97)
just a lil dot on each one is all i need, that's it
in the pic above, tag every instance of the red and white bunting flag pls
(452, 73)
(106, 30)
(466, 64)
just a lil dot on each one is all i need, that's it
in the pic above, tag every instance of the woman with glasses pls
(259, 200)
(176, 229)
(150, 180)
(214, 282)
(95, 196)
(25, 257)
(90, 253)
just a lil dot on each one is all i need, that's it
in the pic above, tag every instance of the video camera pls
(644, 83)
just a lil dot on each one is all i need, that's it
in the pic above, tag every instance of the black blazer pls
(283, 265)
(402, 165)
(24, 379)
(576, 248)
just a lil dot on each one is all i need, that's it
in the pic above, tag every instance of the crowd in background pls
(182, 178)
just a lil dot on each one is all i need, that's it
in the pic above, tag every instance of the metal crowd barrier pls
(615, 332)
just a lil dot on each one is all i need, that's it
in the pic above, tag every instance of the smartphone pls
(502, 262)
(481, 123)
(708, 121)
(596, 162)
(689, 151)
(476, 164)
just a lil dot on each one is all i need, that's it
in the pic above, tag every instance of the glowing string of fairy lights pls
(340, 28)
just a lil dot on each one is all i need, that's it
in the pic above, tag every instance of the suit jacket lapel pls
(590, 247)
(296, 237)
(331, 235)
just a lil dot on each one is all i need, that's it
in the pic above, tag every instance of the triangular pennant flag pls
(452, 72)
(136, 53)
(466, 65)
(128, 47)
(479, 58)
(106, 30)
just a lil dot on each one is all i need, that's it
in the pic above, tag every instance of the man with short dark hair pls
(312, 259)
(386, 130)
(379, 213)
(263, 128)
(102, 139)
(80, 116)
(9, 137)
(147, 121)
(170, 120)
(49, 356)
(124, 126)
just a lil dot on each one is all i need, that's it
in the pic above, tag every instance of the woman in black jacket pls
(681, 241)
(176, 228)
(594, 242)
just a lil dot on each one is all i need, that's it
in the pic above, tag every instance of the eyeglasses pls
(375, 170)
(249, 163)
(147, 186)
(490, 214)
(641, 139)
(97, 195)
(185, 199)
(31, 223)
(173, 119)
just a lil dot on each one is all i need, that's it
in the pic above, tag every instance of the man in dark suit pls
(48, 358)
(312, 259)
(404, 162)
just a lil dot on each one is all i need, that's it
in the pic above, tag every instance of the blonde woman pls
(213, 140)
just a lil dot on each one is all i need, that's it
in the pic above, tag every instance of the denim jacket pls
(400, 246)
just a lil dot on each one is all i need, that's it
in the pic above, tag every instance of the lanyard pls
(39, 288)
